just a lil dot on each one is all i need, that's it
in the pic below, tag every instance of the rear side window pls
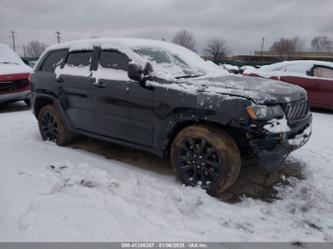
(79, 59)
(54, 59)
(114, 59)
(323, 72)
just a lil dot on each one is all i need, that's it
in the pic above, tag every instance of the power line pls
(58, 33)
(12, 34)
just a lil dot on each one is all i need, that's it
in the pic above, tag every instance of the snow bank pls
(51, 193)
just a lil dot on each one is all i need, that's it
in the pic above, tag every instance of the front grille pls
(296, 110)
(13, 85)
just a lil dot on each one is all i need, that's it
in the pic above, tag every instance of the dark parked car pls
(14, 75)
(165, 99)
(316, 77)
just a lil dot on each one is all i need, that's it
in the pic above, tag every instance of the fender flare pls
(179, 121)
(56, 105)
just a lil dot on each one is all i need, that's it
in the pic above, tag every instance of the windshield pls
(171, 63)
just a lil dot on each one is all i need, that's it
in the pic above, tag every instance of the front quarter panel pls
(223, 109)
(173, 109)
(169, 108)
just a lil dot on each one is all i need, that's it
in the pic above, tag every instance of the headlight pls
(263, 112)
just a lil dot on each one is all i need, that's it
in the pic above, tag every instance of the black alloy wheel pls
(199, 162)
(52, 127)
(206, 156)
(49, 127)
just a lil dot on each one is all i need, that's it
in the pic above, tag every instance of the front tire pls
(52, 127)
(206, 156)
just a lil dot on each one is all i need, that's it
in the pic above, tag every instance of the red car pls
(14, 77)
(316, 77)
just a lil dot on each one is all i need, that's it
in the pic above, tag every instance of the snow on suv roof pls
(127, 45)
(117, 43)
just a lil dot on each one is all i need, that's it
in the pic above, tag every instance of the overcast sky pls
(242, 23)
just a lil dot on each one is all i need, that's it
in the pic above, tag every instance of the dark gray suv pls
(165, 99)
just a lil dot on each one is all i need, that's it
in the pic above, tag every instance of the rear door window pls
(53, 59)
(77, 64)
(79, 59)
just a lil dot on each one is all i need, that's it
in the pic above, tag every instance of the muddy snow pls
(95, 191)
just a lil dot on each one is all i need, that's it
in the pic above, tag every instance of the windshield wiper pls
(189, 76)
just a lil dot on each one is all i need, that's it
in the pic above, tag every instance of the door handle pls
(100, 84)
(60, 80)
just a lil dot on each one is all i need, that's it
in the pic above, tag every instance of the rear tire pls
(206, 156)
(52, 127)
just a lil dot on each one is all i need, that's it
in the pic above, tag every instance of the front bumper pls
(274, 148)
(15, 96)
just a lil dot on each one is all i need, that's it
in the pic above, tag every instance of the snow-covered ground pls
(50, 193)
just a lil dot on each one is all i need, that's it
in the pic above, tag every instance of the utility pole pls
(12, 34)
(58, 33)
(262, 46)
(24, 51)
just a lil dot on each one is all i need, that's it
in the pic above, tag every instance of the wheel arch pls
(227, 157)
(237, 134)
(42, 100)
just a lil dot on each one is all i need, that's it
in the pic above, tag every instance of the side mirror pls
(310, 72)
(134, 72)
(148, 69)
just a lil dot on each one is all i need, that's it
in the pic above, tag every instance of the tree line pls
(216, 48)
(287, 47)
(34, 49)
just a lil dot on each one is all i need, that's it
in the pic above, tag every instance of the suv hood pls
(6, 69)
(259, 90)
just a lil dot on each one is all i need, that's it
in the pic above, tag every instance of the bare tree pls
(287, 47)
(322, 44)
(186, 39)
(35, 49)
(216, 49)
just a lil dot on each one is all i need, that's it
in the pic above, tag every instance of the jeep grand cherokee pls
(162, 98)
